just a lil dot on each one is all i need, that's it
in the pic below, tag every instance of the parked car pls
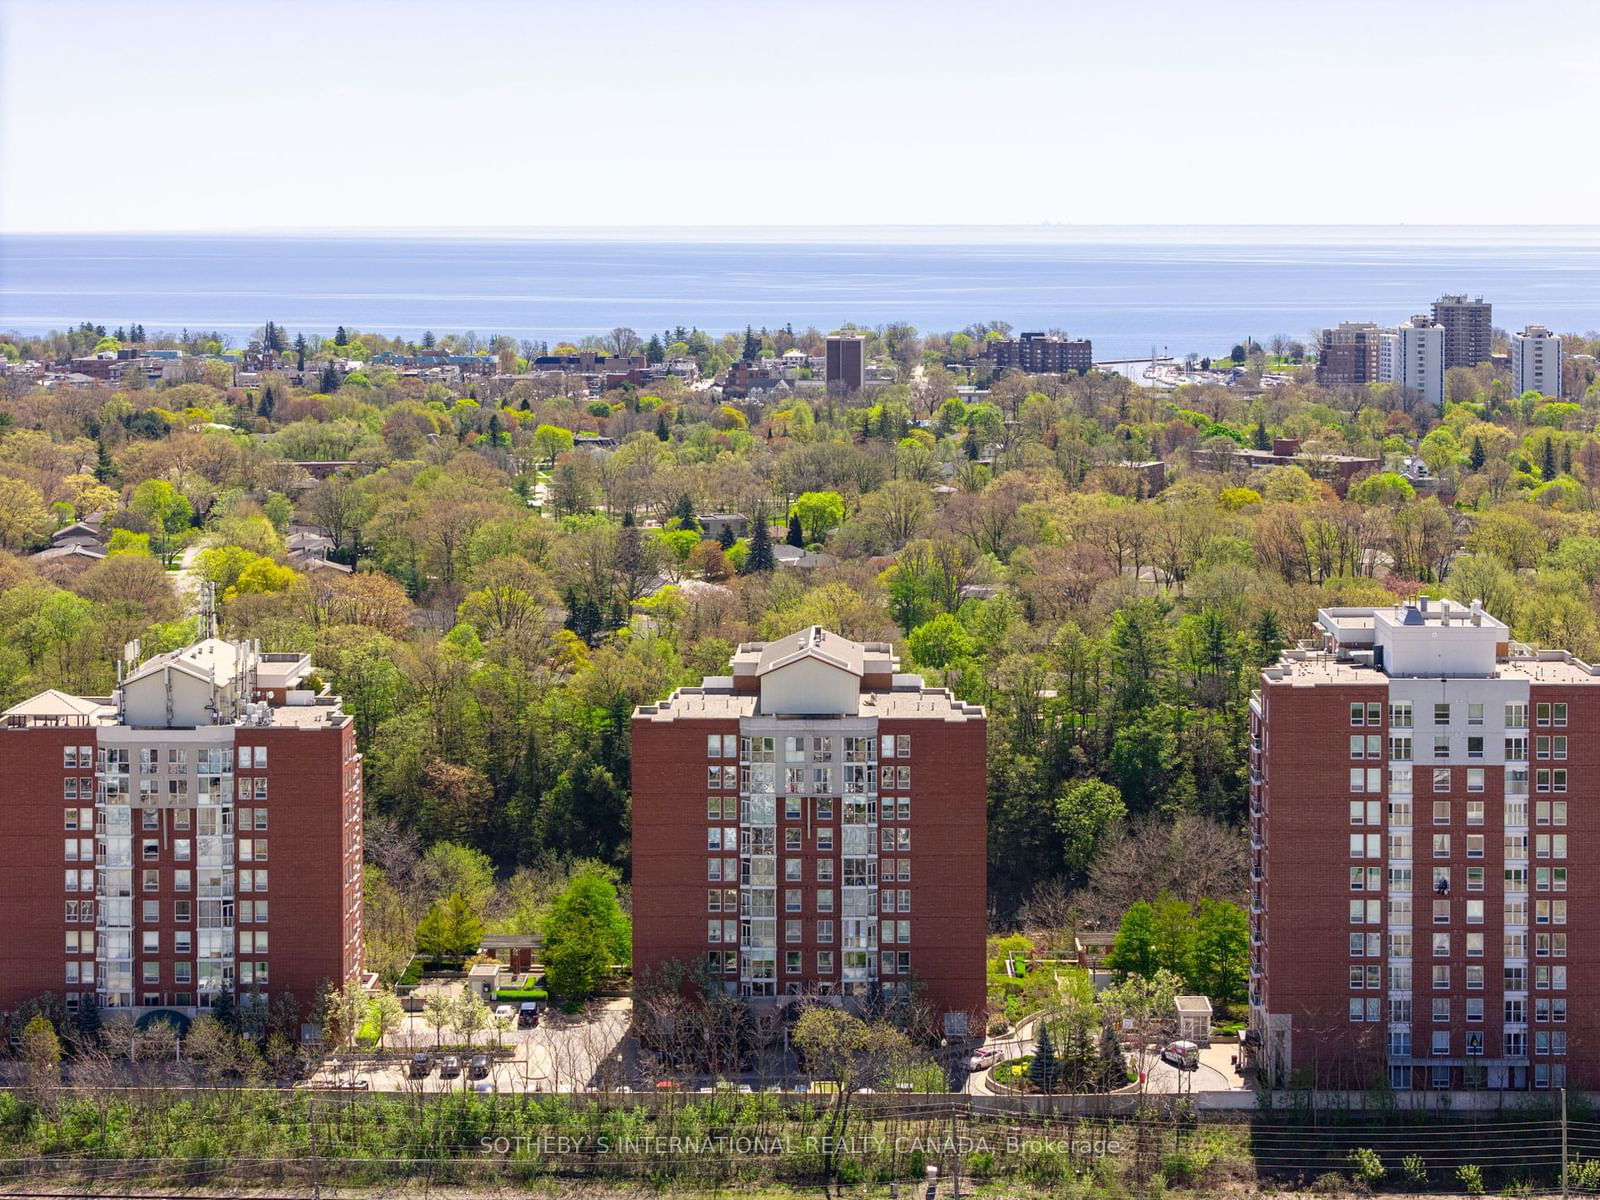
(484, 1087)
(421, 1066)
(983, 1058)
(504, 1012)
(1183, 1055)
(478, 1068)
(450, 1067)
(528, 1014)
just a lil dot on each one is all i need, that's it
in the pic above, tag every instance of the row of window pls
(803, 780)
(1370, 746)
(1546, 977)
(213, 761)
(1370, 713)
(1513, 945)
(82, 880)
(889, 932)
(799, 748)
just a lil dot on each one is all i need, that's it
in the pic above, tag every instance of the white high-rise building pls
(1413, 357)
(1536, 362)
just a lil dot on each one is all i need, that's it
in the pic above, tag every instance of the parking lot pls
(562, 1053)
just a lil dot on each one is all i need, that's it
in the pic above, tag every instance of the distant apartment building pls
(813, 824)
(1041, 354)
(1467, 329)
(196, 834)
(1347, 354)
(1536, 362)
(1420, 911)
(847, 362)
(1411, 356)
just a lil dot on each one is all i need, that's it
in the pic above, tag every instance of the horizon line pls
(747, 228)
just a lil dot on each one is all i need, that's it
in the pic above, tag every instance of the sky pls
(377, 115)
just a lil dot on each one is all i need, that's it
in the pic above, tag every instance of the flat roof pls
(919, 702)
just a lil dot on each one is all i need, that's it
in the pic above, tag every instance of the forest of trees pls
(513, 597)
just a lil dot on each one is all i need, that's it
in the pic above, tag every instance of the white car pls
(504, 1012)
(983, 1057)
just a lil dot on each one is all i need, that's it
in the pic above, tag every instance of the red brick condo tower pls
(1420, 908)
(196, 834)
(814, 824)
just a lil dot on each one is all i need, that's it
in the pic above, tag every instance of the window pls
(825, 839)
(1516, 716)
(1474, 714)
(152, 881)
(1441, 779)
(1475, 842)
(1474, 1008)
(1400, 749)
(791, 808)
(1474, 747)
(1441, 812)
(1400, 714)
(1441, 1041)
(1474, 812)
(1441, 978)
(1441, 845)
(791, 962)
(791, 900)
(791, 931)
(1441, 745)
(1474, 779)
(1441, 714)
(824, 962)
(825, 900)
(1358, 713)
(824, 870)
(825, 932)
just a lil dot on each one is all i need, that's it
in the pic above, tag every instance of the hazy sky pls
(224, 114)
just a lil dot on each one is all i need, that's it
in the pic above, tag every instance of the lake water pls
(1129, 289)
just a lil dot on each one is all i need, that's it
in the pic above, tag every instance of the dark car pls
(528, 1015)
(421, 1066)
(450, 1067)
(478, 1068)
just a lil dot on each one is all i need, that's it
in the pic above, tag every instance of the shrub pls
(1366, 1166)
(1470, 1177)
(1330, 1183)
(517, 995)
(980, 1164)
(1584, 1174)
(1415, 1169)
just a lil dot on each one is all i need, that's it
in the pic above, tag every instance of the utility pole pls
(1563, 1144)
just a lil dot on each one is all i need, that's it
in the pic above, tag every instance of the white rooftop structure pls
(1439, 640)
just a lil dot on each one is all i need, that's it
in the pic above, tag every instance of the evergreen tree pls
(797, 536)
(1262, 441)
(662, 432)
(1045, 1069)
(1478, 457)
(299, 352)
(226, 1011)
(1547, 459)
(103, 468)
(684, 511)
(89, 1017)
(428, 340)
(1566, 457)
(654, 351)
(494, 429)
(341, 338)
(752, 345)
(269, 401)
(627, 520)
(272, 338)
(760, 556)
(1269, 638)
(330, 380)
(138, 333)
(1113, 1065)
(725, 539)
